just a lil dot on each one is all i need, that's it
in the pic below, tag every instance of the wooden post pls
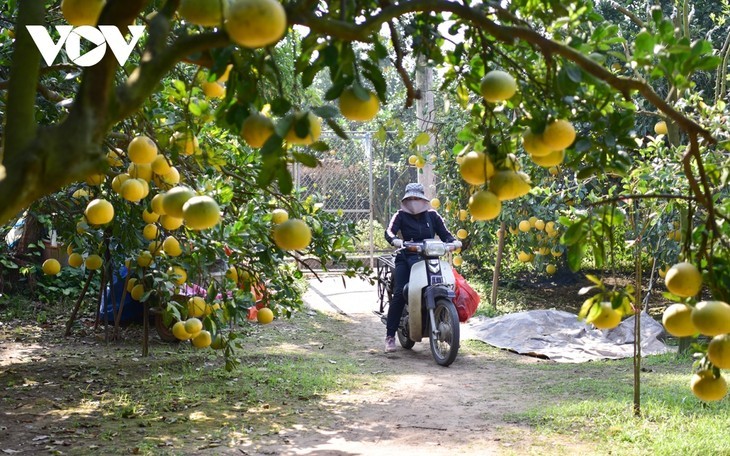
(78, 304)
(146, 330)
(498, 264)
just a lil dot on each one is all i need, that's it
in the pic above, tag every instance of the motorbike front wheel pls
(445, 335)
(403, 338)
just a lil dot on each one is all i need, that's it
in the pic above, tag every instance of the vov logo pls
(102, 36)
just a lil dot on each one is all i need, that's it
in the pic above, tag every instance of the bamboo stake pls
(498, 264)
(78, 304)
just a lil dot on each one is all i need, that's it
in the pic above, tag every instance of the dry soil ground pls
(466, 409)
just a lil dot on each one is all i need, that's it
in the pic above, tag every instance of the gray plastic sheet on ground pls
(559, 336)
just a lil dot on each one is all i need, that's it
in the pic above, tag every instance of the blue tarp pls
(133, 310)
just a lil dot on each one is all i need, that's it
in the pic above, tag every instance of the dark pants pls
(401, 275)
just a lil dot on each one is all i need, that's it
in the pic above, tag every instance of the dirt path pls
(463, 409)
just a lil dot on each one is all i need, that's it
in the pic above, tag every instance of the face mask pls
(415, 206)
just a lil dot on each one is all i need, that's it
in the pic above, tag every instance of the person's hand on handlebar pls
(397, 243)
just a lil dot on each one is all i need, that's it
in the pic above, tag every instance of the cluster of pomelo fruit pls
(546, 234)
(709, 318)
(546, 149)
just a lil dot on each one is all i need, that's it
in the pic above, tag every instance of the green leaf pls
(595, 280)
(422, 139)
(283, 178)
(280, 106)
(306, 159)
(574, 234)
(643, 44)
(575, 254)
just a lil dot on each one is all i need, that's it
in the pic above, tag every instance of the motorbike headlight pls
(434, 248)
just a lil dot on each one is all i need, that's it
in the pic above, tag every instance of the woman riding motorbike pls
(416, 220)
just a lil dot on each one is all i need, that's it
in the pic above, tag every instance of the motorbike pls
(429, 310)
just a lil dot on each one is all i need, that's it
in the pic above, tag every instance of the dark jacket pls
(418, 227)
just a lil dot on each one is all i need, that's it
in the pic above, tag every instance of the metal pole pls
(369, 149)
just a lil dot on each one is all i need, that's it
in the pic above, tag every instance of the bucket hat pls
(415, 190)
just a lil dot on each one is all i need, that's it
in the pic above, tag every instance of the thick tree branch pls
(506, 34)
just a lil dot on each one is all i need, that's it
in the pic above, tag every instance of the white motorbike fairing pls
(417, 282)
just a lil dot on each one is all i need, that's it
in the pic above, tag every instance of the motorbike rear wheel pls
(445, 336)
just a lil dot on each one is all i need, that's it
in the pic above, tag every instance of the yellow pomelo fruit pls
(83, 193)
(412, 159)
(118, 181)
(140, 171)
(185, 142)
(174, 200)
(497, 86)
(144, 259)
(549, 227)
(305, 129)
(457, 260)
(607, 318)
(82, 12)
(51, 266)
(476, 168)
(543, 250)
(196, 306)
(142, 150)
(155, 247)
(555, 252)
(131, 283)
(524, 257)
(202, 339)
(551, 269)
(95, 179)
(462, 234)
(257, 129)
(463, 214)
(177, 274)
(435, 203)
(99, 212)
(711, 318)
(553, 170)
(677, 320)
(150, 217)
(171, 246)
(484, 205)
(508, 185)
(718, 351)
(93, 262)
(193, 326)
(170, 223)
(114, 159)
(156, 204)
(137, 292)
(178, 330)
(420, 162)
(232, 273)
(706, 387)
(532, 221)
(558, 135)
(201, 213)
(552, 159)
(534, 145)
(170, 178)
(660, 128)
(265, 316)
(213, 89)
(539, 225)
(255, 23)
(133, 190)
(75, 260)
(683, 279)
(160, 165)
(207, 13)
(294, 234)
(354, 108)
(524, 226)
(150, 231)
(279, 216)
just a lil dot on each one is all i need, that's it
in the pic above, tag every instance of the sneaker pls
(389, 344)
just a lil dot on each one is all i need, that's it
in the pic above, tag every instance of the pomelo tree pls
(540, 82)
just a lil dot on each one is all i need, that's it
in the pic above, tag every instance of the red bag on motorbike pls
(466, 300)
